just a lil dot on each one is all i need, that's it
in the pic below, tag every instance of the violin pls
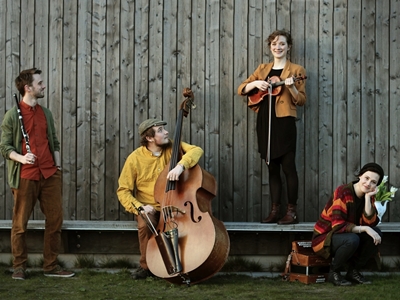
(254, 100)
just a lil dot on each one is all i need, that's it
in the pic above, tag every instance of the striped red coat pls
(340, 215)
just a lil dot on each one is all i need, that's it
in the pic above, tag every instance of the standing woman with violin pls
(276, 128)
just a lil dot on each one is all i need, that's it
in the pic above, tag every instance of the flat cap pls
(150, 123)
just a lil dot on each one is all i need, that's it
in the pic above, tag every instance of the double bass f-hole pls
(192, 212)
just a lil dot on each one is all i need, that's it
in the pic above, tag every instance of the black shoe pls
(356, 277)
(141, 273)
(337, 279)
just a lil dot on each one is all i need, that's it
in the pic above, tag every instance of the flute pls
(24, 133)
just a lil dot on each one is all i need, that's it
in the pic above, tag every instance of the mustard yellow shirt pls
(140, 173)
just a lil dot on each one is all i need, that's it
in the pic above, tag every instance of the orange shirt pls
(36, 126)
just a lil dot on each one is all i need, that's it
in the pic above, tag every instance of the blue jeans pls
(352, 249)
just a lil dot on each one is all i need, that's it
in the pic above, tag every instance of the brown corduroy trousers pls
(48, 192)
(144, 234)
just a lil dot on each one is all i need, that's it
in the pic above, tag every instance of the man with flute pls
(32, 150)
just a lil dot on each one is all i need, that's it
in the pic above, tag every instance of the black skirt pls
(283, 130)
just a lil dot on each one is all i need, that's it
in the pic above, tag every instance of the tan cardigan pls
(285, 104)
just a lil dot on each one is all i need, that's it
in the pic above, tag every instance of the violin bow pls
(269, 124)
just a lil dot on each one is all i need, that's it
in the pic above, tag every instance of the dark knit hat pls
(373, 167)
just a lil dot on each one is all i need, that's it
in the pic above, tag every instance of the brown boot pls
(290, 217)
(273, 215)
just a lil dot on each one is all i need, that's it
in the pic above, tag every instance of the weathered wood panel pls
(98, 112)
(309, 201)
(211, 90)
(227, 107)
(36, 40)
(126, 108)
(110, 64)
(297, 15)
(112, 104)
(339, 85)
(69, 107)
(3, 174)
(83, 112)
(198, 78)
(353, 71)
(393, 98)
(239, 126)
(326, 166)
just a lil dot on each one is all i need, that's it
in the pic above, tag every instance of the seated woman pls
(346, 229)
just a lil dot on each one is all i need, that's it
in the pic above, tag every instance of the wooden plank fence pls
(110, 64)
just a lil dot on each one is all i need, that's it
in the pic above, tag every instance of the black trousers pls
(352, 249)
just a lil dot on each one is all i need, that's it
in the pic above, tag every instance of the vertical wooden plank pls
(13, 47)
(283, 15)
(112, 108)
(128, 133)
(394, 107)
(353, 89)
(155, 58)
(198, 65)
(254, 162)
(339, 98)
(55, 65)
(3, 78)
(142, 101)
(268, 26)
(55, 80)
(97, 150)
(69, 107)
(227, 87)
(211, 89)
(325, 98)
(39, 56)
(183, 63)
(27, 38)
(297, 55)
(368, 82)
(12, 69)
(41, 42)
(311, 112)
(83, 111)
(197, 84)
(169, 94)
(382, 80)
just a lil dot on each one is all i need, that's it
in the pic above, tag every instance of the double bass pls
(189, 244)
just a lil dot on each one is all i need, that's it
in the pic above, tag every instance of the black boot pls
(273, 215)
(337, 279)
(356, 277)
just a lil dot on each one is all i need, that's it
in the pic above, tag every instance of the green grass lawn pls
(89, 284)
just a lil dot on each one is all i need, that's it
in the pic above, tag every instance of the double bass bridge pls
(170, 213)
